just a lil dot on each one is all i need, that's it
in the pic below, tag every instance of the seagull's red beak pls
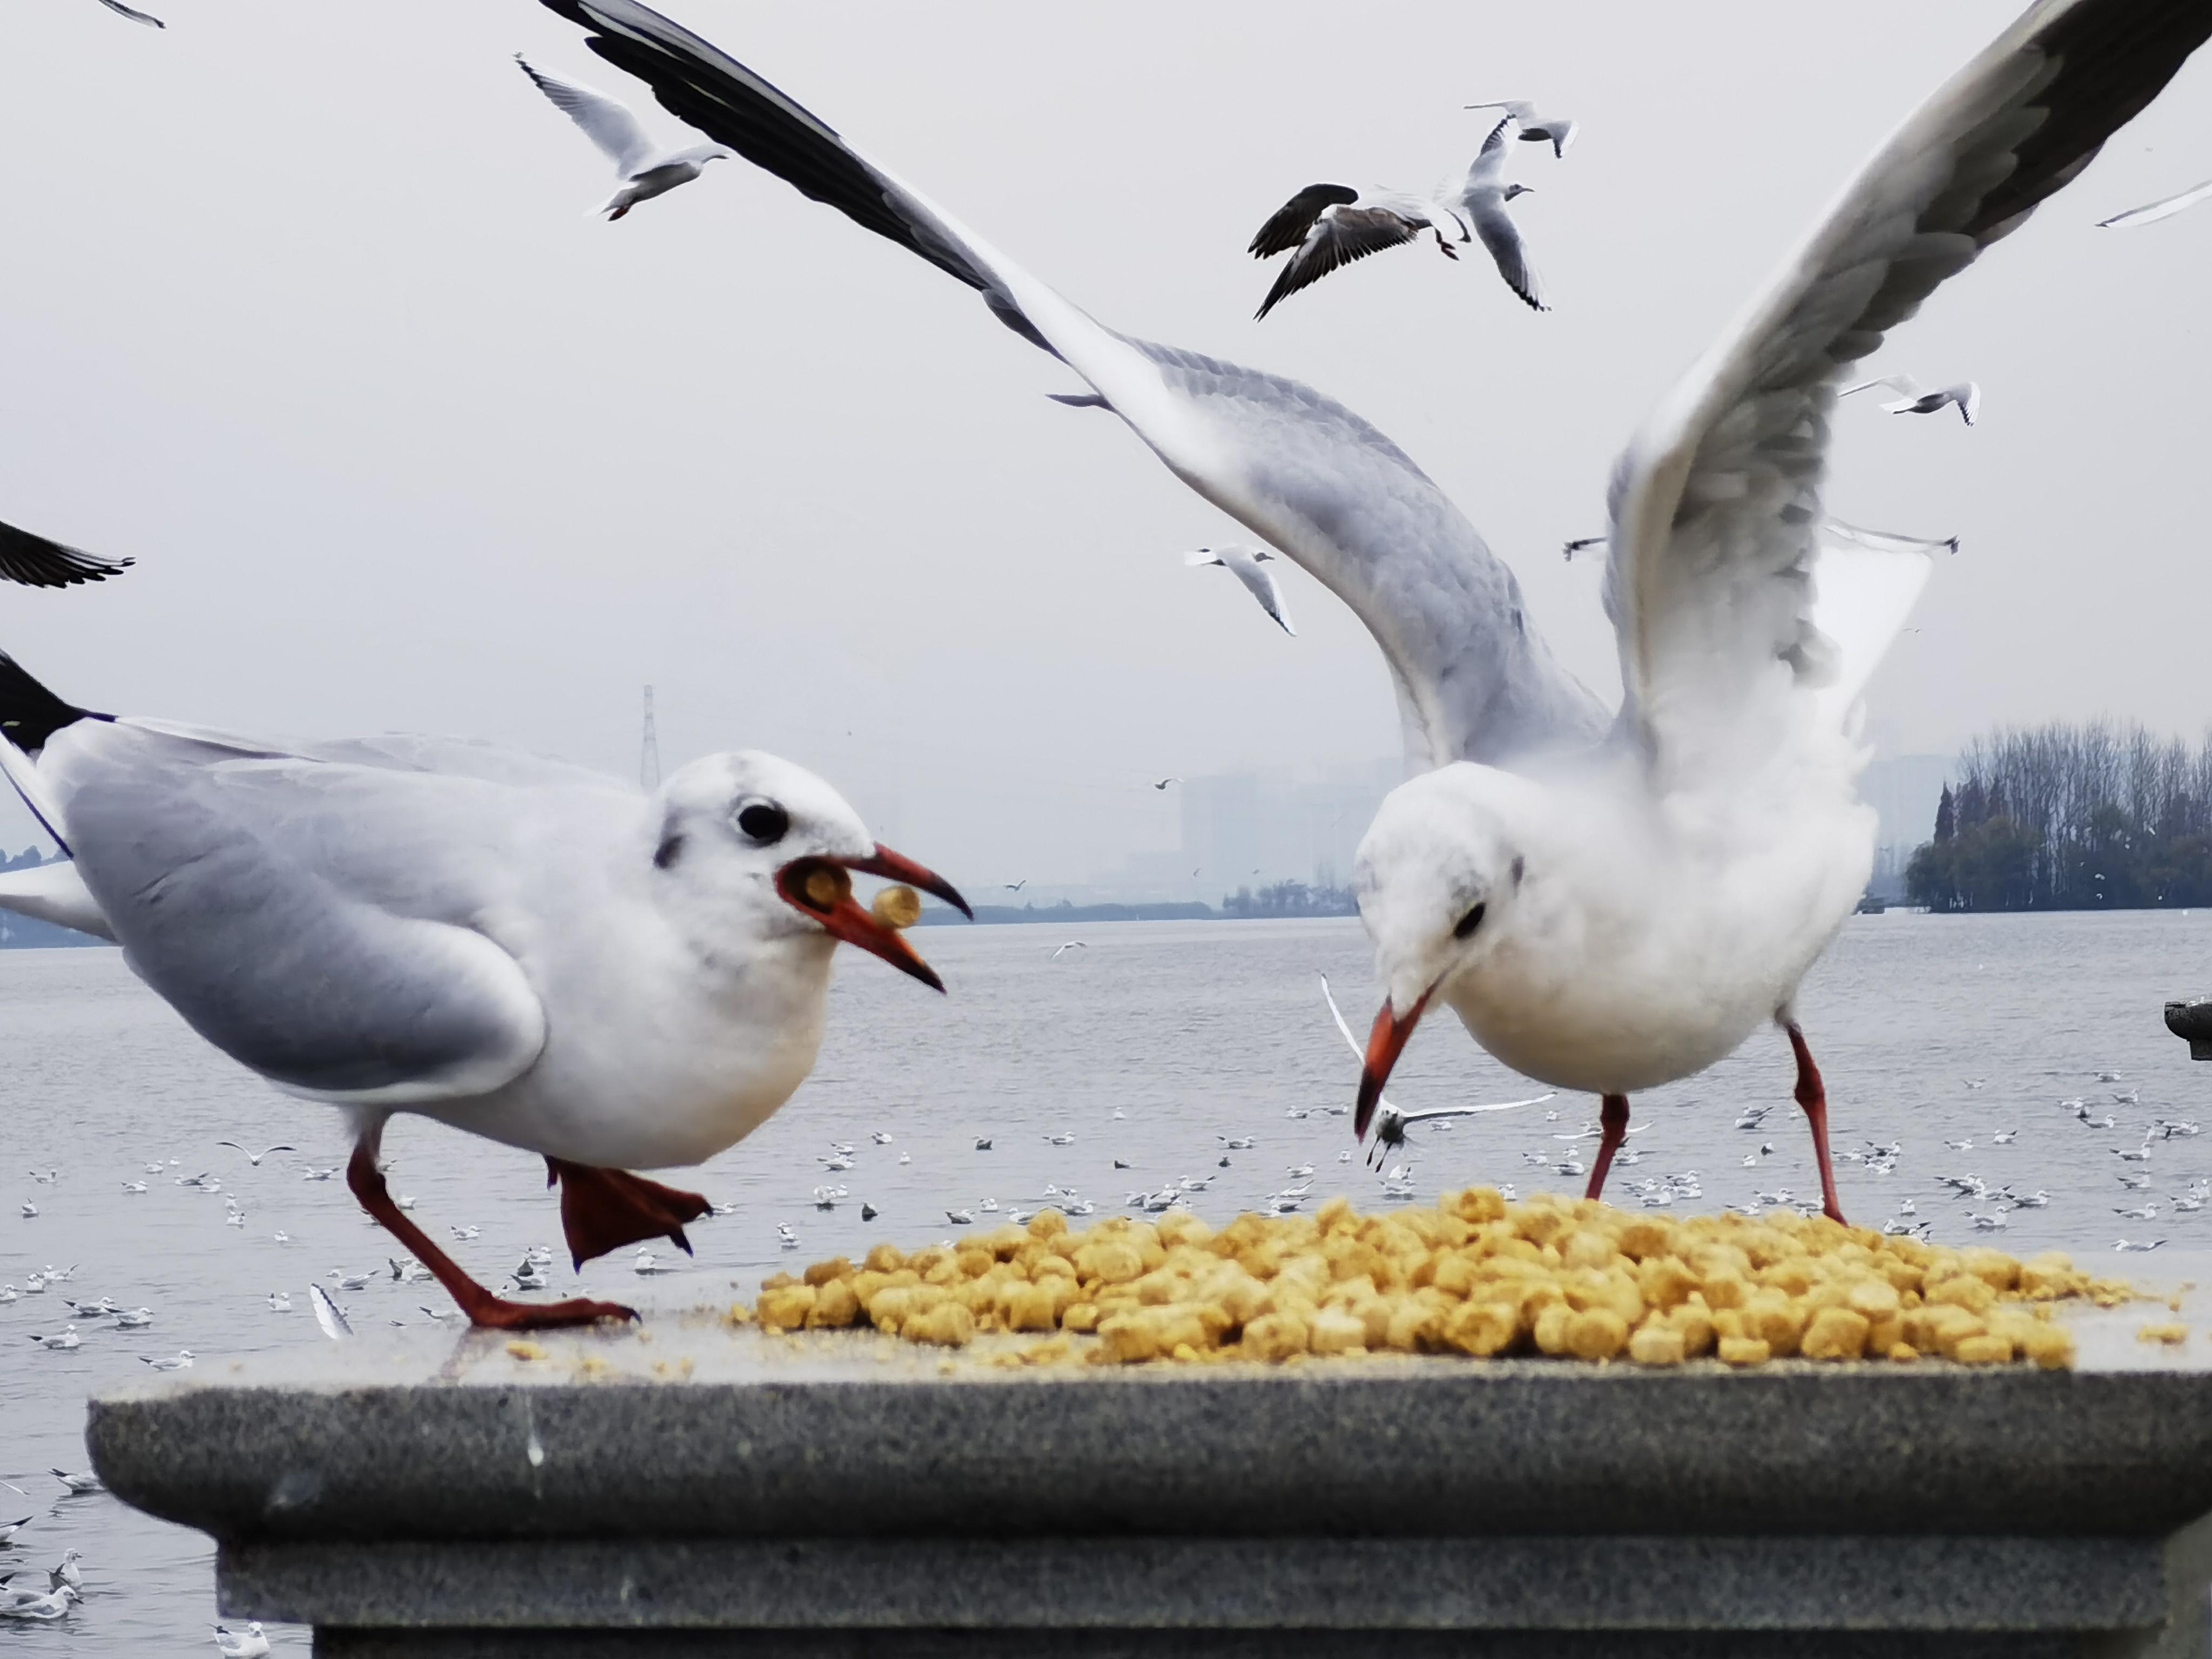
(819, 887)
(1384, 1044)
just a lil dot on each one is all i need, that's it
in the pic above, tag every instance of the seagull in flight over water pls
(1326, 226)
(1243, 563)
(645, 170)
(1609, 900)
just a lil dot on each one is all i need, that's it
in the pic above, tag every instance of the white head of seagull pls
(1681, 863)
(613, 978)
(645, 169)
(1326, 226)
(1243, 563)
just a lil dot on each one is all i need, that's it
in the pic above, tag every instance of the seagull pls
(346, 1281)
(2151, 1244)
(1332, 225)
(1163, 783)
(648, 1264)
(556, 961)
(24, 1604)
(1071, 945)
(61, 1342)
(1017, 886)
(1555, 130)
(134, 1187)
(960, 1218)
(30, 1211)
(1390, 1124)
(1914, 398)
(1243, 563)
(121, 10)
(2142, 1213)
(9, 1529)
(279, 1302)
(248, 1643)
(328, 1315)
(66, 1572)
(78, 1485)
(133, 1319)
(2165, 208)
(645, 170)
(1609, 900)
(255, 1157)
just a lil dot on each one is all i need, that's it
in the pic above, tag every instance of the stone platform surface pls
(843, 1493)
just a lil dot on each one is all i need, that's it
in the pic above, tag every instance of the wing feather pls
(606, 122)
(1303, 472)
(37, 562)
(1287, 225)
(1340, 236)
(1715, 502)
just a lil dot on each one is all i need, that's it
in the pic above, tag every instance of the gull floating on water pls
(645, 170)
(78, 1485)
(1243, 563)
(680, 943)
(1557, 131)
(1610, 899)
(2165, 208)
(1914, 398)
(248, 1643)
(32, 1604)
(1326, 226)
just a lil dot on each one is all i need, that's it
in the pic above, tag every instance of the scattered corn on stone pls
(2174, 1335)
(525, 1351)
(1475, 1277)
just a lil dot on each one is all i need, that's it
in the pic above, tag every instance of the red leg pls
(482, 1307)
(603, 1210)
(1812, 1095)
(1612, 1115)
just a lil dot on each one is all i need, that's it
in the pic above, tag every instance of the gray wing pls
(1716, 502)
(2165, 208)
(1287, 225)
(607, 124)
(121, 10)
(1503, 238)
(1300, 470)
(1340, 235)
(319, 923)
(404, 751)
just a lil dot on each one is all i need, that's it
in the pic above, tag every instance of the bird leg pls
(482, 1307)
(1812, 1095)
(1446, 248)
(1612, 1118)
(603, 1210)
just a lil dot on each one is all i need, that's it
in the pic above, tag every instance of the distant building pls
(1903, 790)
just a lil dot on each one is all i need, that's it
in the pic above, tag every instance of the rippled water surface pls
(1153, 1046)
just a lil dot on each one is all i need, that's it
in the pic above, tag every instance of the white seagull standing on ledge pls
(1609, 901)
(519, 948)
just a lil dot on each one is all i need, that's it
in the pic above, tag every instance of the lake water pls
(1151, 1046)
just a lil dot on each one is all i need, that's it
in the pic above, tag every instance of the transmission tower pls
(649, 758)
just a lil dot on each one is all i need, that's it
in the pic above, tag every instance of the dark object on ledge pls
(2192, 1021)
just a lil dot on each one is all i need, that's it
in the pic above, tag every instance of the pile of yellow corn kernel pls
(1569, 1277)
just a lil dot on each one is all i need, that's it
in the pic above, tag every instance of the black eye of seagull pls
(763, 821)
(1468, 923)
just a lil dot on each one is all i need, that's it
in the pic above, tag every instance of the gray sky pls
(301, 308)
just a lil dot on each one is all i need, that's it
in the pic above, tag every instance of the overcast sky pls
(302, 308)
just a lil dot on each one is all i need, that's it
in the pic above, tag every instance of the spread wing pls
(323, 924)
(606, 123)
(1716, 501)
(1340, 235)
(37, 562)
(1503, 238)
(1287, 225)
(1300, 470)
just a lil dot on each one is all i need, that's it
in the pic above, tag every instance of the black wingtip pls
(35, 562)
(30, 714)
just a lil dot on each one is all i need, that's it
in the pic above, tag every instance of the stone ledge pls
(1584, 1583)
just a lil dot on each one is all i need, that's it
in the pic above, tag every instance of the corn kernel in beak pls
(898, 906)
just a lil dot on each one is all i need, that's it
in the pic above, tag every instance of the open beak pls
(1384, 1044)
(821, 888)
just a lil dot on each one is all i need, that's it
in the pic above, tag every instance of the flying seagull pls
(1243, 563)
(1326, 226)
(1163, 783)
(2165, 208)
(538, 954)
(645, 170)
(1914, 398)
(255, 1157)
(1556, 130)
(1609, 901)
(1071, 945)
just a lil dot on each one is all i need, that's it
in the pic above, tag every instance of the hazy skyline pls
(304, 312)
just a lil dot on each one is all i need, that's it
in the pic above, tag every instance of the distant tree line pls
(1290, 898)
(2071, 817)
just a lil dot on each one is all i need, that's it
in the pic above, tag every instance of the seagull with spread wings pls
(645, 169)
(1243, 563)
(1609, 900)
(1327, 226)
(1557, 131)
(1914, 398)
